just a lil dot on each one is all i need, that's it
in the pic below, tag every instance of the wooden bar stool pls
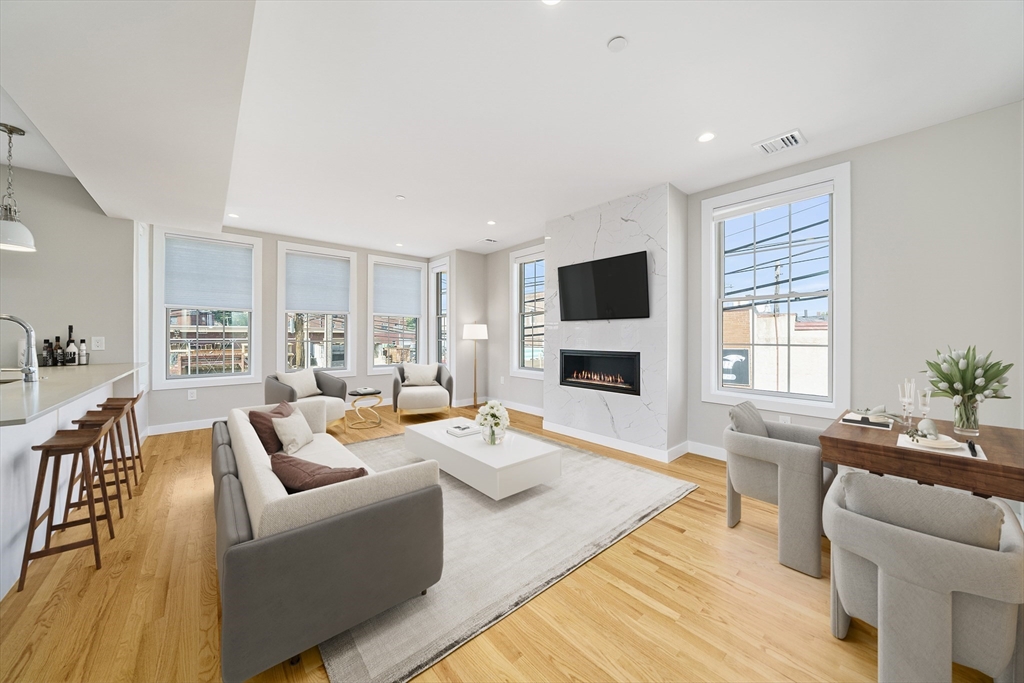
(92, 420)
(133, 423)
(97, 420)
(80, 444)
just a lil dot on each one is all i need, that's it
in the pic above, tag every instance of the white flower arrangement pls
(492, 414)
(951, 374)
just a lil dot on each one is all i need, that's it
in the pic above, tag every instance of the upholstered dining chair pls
(422, 391)
(940, 573)
(779, 464)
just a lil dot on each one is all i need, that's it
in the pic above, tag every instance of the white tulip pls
(1001, 394)
(962, 364)
(980, 381)
(943, 385)
(1004, 380)
(957, 400)
(979, 372)
(958, 386)
(981, 398)
(957, 355)
(931, 375)
(989, 393)
(946, 368)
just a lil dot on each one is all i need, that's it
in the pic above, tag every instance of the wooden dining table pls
(875, 450)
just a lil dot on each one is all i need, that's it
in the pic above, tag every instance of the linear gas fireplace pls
(617, 371)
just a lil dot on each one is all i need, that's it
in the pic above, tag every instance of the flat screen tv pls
(606, 289)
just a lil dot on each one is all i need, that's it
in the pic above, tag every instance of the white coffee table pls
(516, 464)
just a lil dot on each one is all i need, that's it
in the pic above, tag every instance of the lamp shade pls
(474, 331)
(14, 236)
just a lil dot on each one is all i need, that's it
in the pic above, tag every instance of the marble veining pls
(637, 222)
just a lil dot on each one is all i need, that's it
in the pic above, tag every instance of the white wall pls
(517, 392)
(469, 306)
(677, 361)
(172, 407)
(81, 273)
(938, 258)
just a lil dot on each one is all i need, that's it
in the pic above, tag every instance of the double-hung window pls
(316, 287)
(527, 287)
(780, 286)
(396, 303)
(206, 304)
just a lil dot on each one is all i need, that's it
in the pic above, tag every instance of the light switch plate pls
(191, 394)
(503, 379)
(784, 419)
(99, 343)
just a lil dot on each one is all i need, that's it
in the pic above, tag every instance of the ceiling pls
(31, 151)
(139, 99)
(513, 112)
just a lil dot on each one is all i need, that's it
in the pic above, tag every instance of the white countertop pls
(22, 402)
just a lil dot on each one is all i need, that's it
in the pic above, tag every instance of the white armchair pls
(427, 398)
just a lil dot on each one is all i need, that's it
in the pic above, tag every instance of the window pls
(315, 285)
(527, 267)
(207, 297)
(396, 303)
(440, 305)
(780, 277)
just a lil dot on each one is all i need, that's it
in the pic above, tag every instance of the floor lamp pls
(476, 332)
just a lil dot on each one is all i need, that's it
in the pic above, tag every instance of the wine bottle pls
(58, 351)
(71, 352)
(47, 353)
(83, 353)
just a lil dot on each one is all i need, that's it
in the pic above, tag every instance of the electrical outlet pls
(191, 394)
(503, 379)
(99, 343)
(784, 419)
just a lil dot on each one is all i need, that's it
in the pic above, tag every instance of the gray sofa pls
(434, 398)
(334, 391)
(295, 570)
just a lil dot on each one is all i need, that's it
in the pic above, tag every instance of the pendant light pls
(14, 236)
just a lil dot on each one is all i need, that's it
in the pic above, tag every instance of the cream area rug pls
(497, 555)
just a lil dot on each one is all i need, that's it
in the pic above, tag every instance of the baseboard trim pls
(523, 408)
(172, 427)
(697, 448)
(467, 402)
(618, 444)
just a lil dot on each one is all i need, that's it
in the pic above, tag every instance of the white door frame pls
(434, 267)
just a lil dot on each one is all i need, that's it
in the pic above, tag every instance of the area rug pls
(497, 555)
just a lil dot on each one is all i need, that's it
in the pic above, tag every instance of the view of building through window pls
(202, 342)
(531, 314)
(441, 306)
(315, 340)
(774, 299)
(394, 339)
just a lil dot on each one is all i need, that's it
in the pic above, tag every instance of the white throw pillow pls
(303, 382)
(293, 431)
(419, 375)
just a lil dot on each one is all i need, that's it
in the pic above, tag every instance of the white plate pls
(942, 442)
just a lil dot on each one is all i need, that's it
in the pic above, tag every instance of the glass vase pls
(492, 435)
(965, 418)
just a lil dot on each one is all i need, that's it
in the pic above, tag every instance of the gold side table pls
(362, 421)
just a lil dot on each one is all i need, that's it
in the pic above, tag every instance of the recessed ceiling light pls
(551, 2)
(399, 197)
(548, 237)
(617, 44)
(490, 222)
(398, 244)
(232, 215)
(706, 137)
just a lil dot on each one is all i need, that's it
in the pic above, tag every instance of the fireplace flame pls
(599, 378)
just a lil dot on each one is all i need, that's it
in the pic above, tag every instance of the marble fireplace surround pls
(637, 424)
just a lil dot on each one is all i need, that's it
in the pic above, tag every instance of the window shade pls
(316, 284)
(396, 290)
(209, 274)
(733, 210)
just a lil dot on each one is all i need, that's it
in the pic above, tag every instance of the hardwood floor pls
(683, 598)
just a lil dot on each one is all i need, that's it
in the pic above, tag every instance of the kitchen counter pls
(22, 402)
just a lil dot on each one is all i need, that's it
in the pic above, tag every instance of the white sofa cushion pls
(324, 451)
(336, 407)
(302, 381)
(418, 398)
(293, 431)
(417, 375)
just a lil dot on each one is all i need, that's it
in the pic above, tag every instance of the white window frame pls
(515, 258)
(282, 311)
(421, 331)
(840, 319)
(159, 312)
(434, 267)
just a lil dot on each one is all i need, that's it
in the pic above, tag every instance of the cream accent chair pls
(432, 398)
(779, 464)
(940, 573)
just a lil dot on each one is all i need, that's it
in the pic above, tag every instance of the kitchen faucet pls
(31, 369)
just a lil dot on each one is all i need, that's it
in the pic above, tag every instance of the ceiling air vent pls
(488, 240)
(782, 142)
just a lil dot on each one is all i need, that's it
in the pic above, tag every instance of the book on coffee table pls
(461, 430)
(364, 391)
(873, 421)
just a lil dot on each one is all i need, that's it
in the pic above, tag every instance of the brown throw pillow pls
(263, 423)
(302, 475)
